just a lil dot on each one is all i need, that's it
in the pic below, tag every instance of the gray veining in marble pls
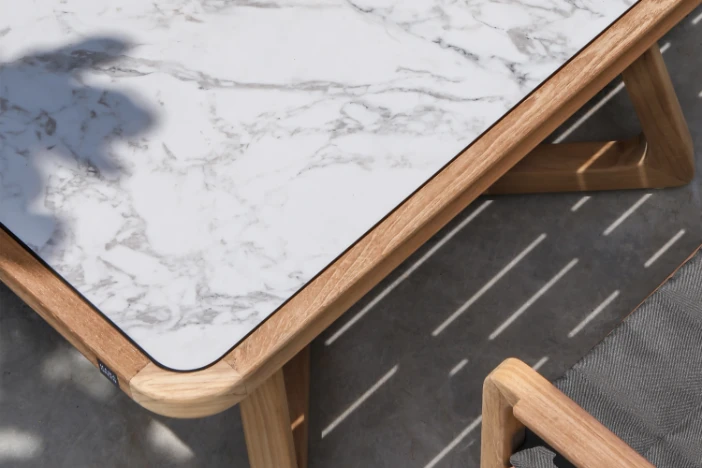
(187, 165)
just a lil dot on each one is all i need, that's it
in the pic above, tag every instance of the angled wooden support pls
(275, 417)
(515, 396)
(661, 157)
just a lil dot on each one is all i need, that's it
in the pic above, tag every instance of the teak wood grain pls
(264, 352)
(323, 300)
(266, 419)
(67, 312)
(515, 396)
(188, 394)
(670, 151)
(297, 388)
(662, 156)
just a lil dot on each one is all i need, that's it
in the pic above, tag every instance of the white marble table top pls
(188, 165)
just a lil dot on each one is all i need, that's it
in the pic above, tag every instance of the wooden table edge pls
(323, 300)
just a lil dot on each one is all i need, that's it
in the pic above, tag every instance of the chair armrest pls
(515, 396)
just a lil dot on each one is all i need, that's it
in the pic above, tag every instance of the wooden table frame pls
(268, 373)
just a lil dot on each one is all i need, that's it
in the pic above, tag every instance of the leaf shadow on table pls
(56, 122)
(60, 115)
(57, 410)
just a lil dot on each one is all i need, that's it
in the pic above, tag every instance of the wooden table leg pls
(661, 157)
(276, 417)
(266, 421)
(297, 384)
(670, 149)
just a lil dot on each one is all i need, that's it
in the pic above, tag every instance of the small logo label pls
(111, 376)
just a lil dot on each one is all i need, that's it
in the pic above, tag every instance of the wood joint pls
(662, 156)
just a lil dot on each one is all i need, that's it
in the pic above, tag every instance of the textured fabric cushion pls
(644, 381)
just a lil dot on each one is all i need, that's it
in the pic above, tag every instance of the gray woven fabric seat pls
(644, 381)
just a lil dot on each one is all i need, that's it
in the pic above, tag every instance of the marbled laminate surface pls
(188, 165)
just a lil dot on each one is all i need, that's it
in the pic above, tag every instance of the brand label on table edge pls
(111, 376)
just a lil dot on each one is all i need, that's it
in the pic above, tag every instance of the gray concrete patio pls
(397, 380)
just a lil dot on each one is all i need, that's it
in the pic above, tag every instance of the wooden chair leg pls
(266, 421)
(661, 157)
(297, 384)
(501, 433)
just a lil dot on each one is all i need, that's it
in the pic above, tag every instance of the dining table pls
(191, 191)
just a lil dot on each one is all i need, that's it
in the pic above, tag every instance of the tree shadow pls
(55, 122)
(82, 421)
(60, 117)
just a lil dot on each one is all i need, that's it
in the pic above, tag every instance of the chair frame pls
(516, 397)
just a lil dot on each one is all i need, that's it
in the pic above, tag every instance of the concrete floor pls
(385, 391)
